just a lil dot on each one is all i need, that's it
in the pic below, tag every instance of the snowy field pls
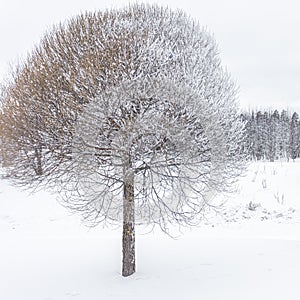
(248, 249)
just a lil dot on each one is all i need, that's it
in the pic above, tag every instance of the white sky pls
(259, 40)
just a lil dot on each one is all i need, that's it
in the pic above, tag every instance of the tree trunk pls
(128, 223)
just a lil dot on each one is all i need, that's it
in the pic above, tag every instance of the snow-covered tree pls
(251, 134)
(262, 135)
(294, 146)
(274, 135)
(133, 116)
(285, 134)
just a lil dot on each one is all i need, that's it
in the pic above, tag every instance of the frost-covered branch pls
(129, 115)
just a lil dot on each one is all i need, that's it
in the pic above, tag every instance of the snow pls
(236, 253)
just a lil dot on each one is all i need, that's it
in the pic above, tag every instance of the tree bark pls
(128, 267)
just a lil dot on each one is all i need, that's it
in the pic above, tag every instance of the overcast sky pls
(259, 40)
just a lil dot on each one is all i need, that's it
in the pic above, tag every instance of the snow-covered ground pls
(248, 249)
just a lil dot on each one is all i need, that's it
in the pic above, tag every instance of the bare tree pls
(134, 119)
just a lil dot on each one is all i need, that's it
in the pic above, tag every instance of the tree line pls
(270, 135)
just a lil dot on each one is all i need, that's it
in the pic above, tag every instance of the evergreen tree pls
(273, 137)
(284, 135)
(294, 136)
(262, 135)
